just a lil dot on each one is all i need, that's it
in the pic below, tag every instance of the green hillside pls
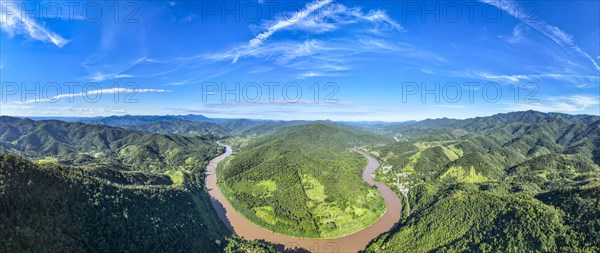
(191, 125)
(52, 208)
(77, 143)
(207, 130)
(303, 181)
(505, 183)
(90, 188)
(514, 182)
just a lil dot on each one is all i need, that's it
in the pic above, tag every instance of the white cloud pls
(20, 107)
(20, 23)
(94, 93)
(517, 34)
(317, 74)
(404, 49)
(572, 103)
(315, 57)
(260, 69)
(100, 76)
(318, 54)
(82, 111)
(281, 24)
(310, 55)
(334, 16)
(176, 83)
(560, 37)
(576, 79)
(309, 47)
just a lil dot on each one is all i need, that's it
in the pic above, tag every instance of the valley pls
(241, 185)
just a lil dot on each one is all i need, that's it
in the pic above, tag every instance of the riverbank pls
(350, 243)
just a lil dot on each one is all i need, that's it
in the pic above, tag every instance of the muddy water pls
(350, 243)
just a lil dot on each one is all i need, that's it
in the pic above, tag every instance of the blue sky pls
(339, 60)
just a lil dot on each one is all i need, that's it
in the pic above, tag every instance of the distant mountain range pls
(188, 125)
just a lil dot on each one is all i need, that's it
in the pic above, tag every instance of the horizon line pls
(267, 119)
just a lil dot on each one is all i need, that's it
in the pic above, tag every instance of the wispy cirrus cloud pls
(120, 52)
(405, 49)
(517, 34)
(573, 103)
(20, 107)
(98, 75)
(19, 23)
(281, 24)
(93, 93)
(333, 16)
(278, 102)
(309, 47)
(557, 35)
(134, 68)
(314, 56)
(80, 111)
(515, 78)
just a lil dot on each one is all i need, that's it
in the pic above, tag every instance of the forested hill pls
(207, 130)
(304, 181)
(532, 121)
(56, 208)
(191, 125)
(78, 143)
(90, 188)
(321, 133)
(522, 181)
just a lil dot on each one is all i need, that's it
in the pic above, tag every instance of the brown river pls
(351, 243)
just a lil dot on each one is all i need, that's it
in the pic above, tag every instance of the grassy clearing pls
(178, 177)
(266, 213)
(332, 220)
(239, 143)
(48, 159)
(413, 161)
(456, 150)
(314, 190)
(268, 185)
(127, 150)
(450, 153)
(430, 144)
(462, 175)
